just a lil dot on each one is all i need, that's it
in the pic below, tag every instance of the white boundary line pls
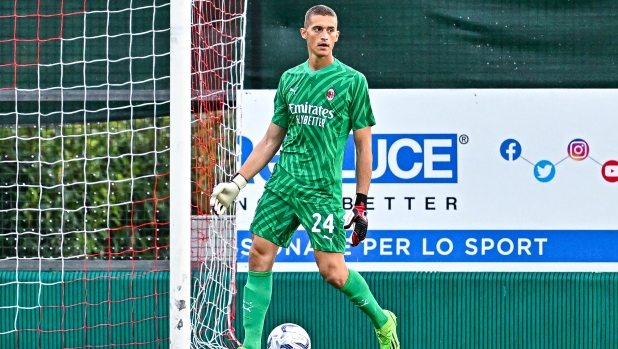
(450, 267)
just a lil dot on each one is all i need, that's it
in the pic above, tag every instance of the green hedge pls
(55, 181)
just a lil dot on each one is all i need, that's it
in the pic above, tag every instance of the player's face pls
(321, 35)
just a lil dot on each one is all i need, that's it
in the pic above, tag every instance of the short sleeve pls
(281, 116)
(360, 110)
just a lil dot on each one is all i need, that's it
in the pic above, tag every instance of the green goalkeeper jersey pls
(318, 109)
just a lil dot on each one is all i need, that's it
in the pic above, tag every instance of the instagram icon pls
(578, 149)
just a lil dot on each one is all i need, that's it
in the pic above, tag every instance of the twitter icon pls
(544, 171)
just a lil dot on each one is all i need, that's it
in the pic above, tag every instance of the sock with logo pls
(357, 291)
(256, 300)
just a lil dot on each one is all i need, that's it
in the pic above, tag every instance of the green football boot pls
(387, 335)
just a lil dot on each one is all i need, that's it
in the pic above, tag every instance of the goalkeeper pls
(317, 104)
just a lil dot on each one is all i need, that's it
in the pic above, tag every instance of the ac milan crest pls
(330, 94)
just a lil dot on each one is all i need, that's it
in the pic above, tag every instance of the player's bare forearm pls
(364, 158)
(263, 151)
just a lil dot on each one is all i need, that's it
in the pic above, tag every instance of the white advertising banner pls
(472, 180)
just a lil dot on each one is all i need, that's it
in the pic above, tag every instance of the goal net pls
(217, 74)
(85, 172)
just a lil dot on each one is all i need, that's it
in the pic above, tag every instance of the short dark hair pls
(319, 10)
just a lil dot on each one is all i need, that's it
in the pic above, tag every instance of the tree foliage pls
(92, 189)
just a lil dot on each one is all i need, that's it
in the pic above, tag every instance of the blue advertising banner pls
(461, 246)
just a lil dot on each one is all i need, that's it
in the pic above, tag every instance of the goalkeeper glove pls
(224, 194)
(357, 219)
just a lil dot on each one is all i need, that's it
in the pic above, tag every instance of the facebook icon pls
(510, 150)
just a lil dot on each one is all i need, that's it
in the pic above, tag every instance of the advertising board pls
(471, 180)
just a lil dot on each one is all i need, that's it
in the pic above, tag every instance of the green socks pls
(357, 291)
(258, 290)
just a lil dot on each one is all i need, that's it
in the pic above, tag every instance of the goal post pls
(180, 173)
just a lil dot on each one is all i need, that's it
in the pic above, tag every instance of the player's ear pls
(303, 33)
(337, 36)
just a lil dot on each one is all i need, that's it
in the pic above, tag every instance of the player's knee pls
(333, 275)
(260, 259)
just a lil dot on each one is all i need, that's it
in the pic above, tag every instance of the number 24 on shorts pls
(328, 223)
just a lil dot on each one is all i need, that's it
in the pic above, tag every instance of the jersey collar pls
(326, 69)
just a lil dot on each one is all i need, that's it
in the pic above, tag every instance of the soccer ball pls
(288, 336)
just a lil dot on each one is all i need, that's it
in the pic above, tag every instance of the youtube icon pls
(610, 171)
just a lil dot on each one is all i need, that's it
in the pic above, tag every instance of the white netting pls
(218, 29)
(84, 133)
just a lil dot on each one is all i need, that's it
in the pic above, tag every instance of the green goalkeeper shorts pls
(278, 215)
